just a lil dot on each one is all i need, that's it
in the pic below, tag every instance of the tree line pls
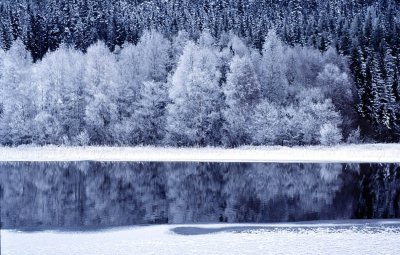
(177, 92)
(365, 32)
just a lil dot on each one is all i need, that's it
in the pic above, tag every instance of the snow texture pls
(353, 237)
(371, 153)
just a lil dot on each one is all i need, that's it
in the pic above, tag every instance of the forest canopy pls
(179, 92)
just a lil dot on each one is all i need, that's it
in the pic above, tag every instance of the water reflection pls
(93, 194)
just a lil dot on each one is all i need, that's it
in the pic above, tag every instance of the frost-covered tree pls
(243, 93)
(303, 64)
(194, 116)
(60, 95)
(131, 79)
(145, 63)
(2, 55)
(336, 85)
(154, 48)
(100, 117)
(177, 46)
(330, 134)
(46, 129)
(150, 115)
(265, 123)
(300, 123)
(273, 68)
(237, 46)
(316, 111)
(101, 91)
(16, 90)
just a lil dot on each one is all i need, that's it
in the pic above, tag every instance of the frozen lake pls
(372, 237)
(198, 208)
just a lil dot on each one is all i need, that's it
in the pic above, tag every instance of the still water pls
(100, 195)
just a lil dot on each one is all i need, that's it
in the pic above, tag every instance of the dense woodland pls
(94, 194)
(197, 73)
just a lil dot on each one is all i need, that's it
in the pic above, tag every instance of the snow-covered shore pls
(373, 237)
(374, 153)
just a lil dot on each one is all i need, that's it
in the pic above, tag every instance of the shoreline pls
(361, 153)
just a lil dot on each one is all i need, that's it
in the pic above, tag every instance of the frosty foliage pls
(176, 92)
(354, 137)
(18, 108)
(194, 115)
(243, 93)
(273, 68)
(330, 134)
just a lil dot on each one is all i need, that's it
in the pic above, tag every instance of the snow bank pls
(224, 239)
(384, 153)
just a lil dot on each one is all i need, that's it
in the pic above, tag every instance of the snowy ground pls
(385, 153)
(375, 237)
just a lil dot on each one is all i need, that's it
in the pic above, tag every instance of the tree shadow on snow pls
(355, 225)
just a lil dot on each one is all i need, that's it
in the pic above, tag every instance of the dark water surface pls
(100, 195)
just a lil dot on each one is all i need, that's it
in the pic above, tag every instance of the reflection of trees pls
(76, 194)
(280, 192)
(107, 194)
(380, 191)
(41, 194)
(194, 192)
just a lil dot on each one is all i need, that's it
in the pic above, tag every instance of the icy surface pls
(388, 153)
(325, 238)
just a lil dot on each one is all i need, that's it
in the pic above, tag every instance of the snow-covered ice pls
(378, 237)
(384, 153)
